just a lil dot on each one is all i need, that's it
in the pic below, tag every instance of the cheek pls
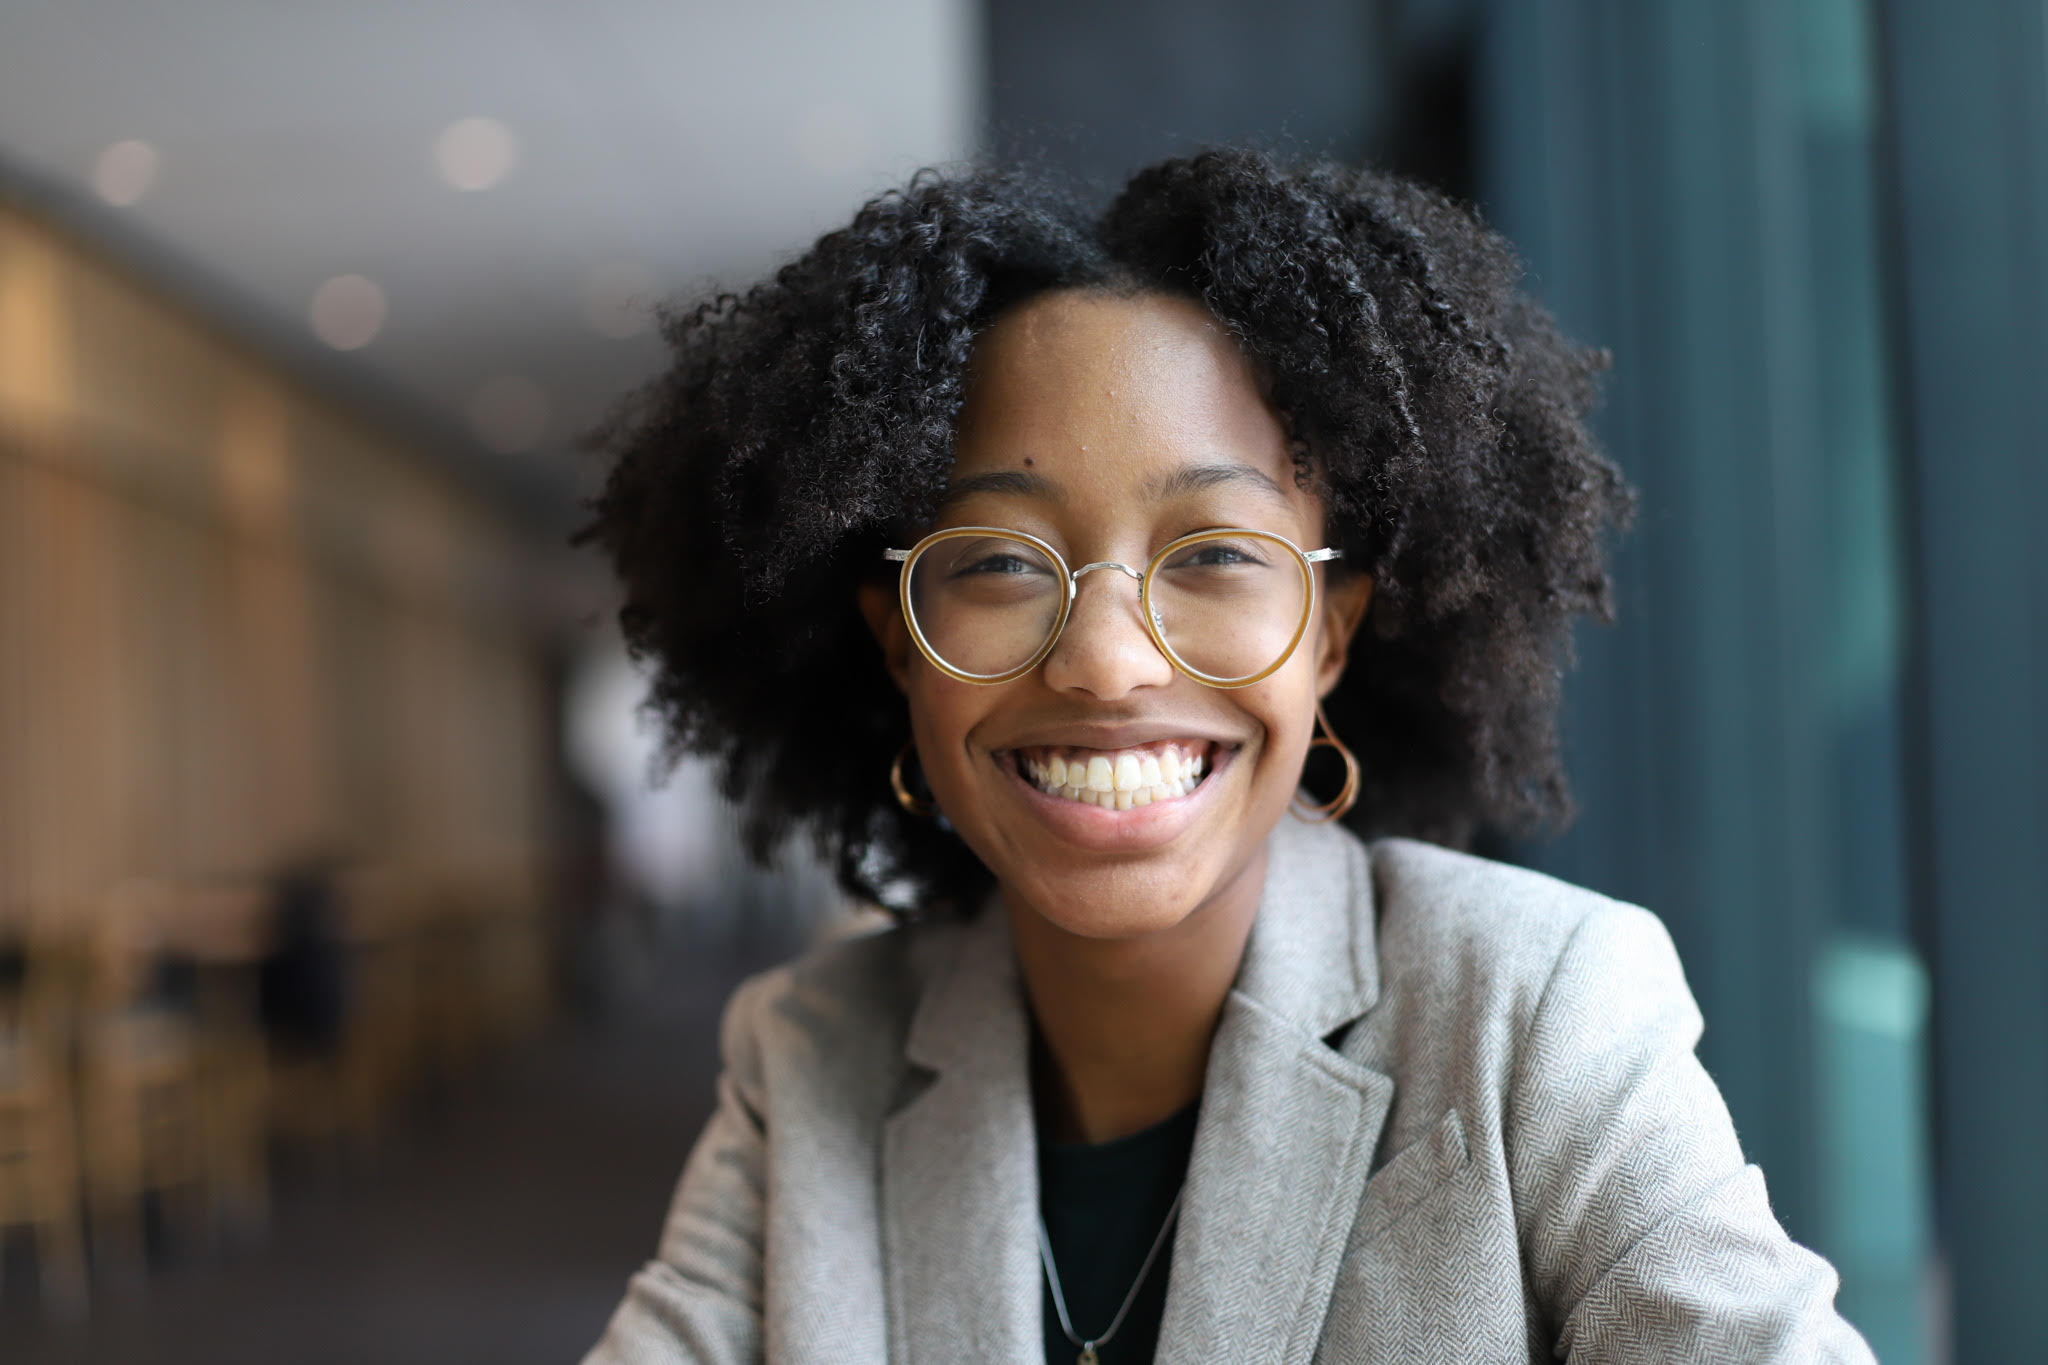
(1286, 708)
(943, 712)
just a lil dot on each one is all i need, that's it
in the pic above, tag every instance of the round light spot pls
(347, 312)
(832, 140)
(618, 300)
(509, 413)
(475, 153)
(125, 171)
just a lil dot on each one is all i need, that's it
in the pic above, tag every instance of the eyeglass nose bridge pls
(1074, 578)
(1074, 588)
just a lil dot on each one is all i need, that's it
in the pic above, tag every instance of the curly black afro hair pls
(809, 422)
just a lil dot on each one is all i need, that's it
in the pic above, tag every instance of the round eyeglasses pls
(1226, 607)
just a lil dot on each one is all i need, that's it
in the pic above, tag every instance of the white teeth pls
(1116, 782)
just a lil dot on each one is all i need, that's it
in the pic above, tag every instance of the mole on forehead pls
(1177, 483)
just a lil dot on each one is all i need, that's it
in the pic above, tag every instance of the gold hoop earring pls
(1334, 810)
(919, 806)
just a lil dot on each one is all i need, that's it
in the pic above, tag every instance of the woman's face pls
(1108, 425)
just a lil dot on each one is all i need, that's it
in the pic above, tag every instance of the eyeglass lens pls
(986, 604)
(1229, 608)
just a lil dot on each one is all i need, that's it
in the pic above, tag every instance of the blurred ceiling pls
(474, 202)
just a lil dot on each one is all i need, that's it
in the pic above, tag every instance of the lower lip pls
(1136, 830)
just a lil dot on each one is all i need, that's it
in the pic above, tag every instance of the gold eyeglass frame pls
(1305, 560)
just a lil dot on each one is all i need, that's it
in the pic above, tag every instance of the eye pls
(996, 563)
(1220, 554)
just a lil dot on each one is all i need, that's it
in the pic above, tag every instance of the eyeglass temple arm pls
(896, 556)
(1322, 556)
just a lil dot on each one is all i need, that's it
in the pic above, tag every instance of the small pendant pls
(1087, 1356)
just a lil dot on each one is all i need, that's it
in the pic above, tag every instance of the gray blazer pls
(1452, 1114)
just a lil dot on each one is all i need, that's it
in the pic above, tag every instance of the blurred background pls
(357, 987)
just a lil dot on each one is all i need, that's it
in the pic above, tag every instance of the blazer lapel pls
(960, 1168)
(1288, 1124)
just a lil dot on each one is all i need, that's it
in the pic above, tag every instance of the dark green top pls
(1103, 1206)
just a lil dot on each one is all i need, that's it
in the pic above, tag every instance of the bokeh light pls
(475, 153)
(347, 312)
(126, 171)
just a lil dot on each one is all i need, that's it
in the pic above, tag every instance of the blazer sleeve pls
(699, 1300)
(1646, 1234)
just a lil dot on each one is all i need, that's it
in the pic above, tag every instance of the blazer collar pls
(1286, 1135)
(959, 1177)
(1289, 1123)
(1313, 954)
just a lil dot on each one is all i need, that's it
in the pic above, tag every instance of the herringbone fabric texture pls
(1452, 1114)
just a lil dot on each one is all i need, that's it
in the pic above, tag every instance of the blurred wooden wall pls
(238, 625)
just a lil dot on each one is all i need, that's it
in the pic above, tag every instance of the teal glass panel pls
(1870, 1006)
(1699, 187)
(1872, 1159)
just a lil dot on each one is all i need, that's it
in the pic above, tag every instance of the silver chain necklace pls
(1059, 1300)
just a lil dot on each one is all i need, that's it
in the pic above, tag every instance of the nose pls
(1105, 650)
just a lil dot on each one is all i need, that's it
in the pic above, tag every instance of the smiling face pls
(1108, 792)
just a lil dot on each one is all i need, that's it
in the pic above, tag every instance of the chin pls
(1109, 903)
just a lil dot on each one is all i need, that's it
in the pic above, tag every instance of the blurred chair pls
(383, 1051)
(306, 998)
(142, 1103)
(344, 1053)
(39, 1174)
(211, 944)
(384, 976)
(234, 1088)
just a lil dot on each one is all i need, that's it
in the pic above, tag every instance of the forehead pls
(1108, 398)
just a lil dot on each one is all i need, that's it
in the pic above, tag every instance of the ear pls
(884, 615)
(1345, 599)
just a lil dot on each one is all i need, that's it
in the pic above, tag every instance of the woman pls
(1025, 559)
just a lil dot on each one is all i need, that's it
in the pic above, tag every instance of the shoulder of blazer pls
(839, 1008)
(1466, 934)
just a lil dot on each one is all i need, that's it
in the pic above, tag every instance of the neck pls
(1124, 1025)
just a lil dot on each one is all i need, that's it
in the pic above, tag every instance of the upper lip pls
(1111, 735)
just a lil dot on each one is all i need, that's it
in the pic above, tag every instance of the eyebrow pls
(1202, 477)
(1019, 482)
(1181, 482)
